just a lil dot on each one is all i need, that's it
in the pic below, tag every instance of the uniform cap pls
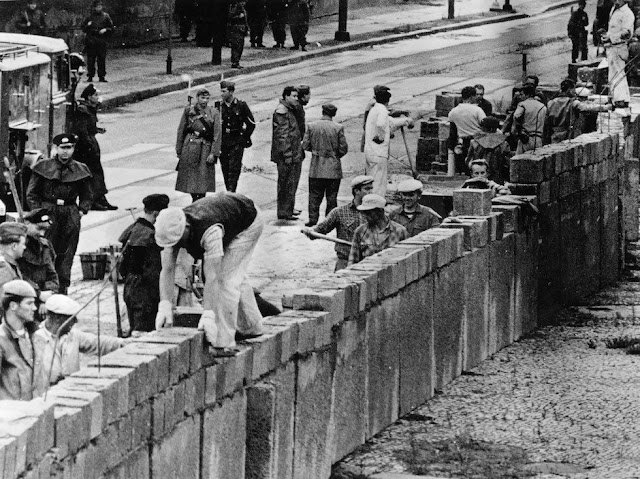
(371, 202)
(18, 287)
(304, 90)
(88, 91)
(583, 92)
(329, 109)
(202, 91)
(229, 85)
(39, 215)
(170, 226)
(62, 304)
(361, 180)
(156, 202)
(64, 139)
(409, 186)
(10, 231)
(380, 89)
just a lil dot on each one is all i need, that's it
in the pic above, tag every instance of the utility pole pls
(451, 9)
(342, 35)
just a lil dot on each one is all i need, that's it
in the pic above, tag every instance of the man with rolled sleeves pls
(326, 141)
(63, 186)
(141, 265)
(238, 125)
(222, 230)
(415, 217)
(12, 245)
(20, 356)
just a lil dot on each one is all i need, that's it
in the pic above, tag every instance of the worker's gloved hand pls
(207, 324)
(165, 314)
(410, 122)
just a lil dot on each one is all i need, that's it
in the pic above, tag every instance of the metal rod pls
(412, 163)
(114, 279)
(310, 232)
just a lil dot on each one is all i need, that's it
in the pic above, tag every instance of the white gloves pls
(207, 324)
(165, 314)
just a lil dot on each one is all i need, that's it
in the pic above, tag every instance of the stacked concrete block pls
(447, 101)
(526, 274)
(432, 148)
(476, 307)
(501, 297)
(630, 199)
(471, 202)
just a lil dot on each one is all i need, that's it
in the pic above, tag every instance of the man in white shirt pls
(464, 121)
(621, 25)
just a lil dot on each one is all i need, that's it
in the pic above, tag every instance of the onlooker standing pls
(257, 19)
(237, 126)
(299, 17)
(377, 136)
(218, 11)
(464, 121)
(304, 97)
(98, 27)
(378, 233)
(557, 124)
(493, 146)
(621, 26)
(31, 20)
(277, 13)
(237, 27)
(13, 238)
(346, 219)
(287, 152)
(528, 120)
(483, 103)
(415, 217)
(87, 150)
(198, 147)
(326, 141)
(577, 30)
(185, 10)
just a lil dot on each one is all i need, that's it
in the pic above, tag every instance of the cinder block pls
(384, 274)
(472, 202)
(447, 101)
(136, 464)
(525, 189)
(475, 267)
(180, 355)
(419, 256)
(526, 280)
(364, 281)
(111, 383)
(332, 300)
(568, 184)
(609, 233)
(94, 402)
(630, 199)
(194, 395)
(73, 425)
(313, 434)
(160, 351)
(447, 243)
(177, 455)
(510, 217)
(548, 191)
(140, 424)
(526, 168)
(232, 373)
(287, 338)
(349, 388)
(187, 316)
(370, 275)
(448, 323)
(266, 352)
(476, 232)
(313, 328)
(549, 274)
(501, 298)
(396, 264)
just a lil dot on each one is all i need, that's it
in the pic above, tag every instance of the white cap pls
(371, 202)
(409, 186)
(62, 304)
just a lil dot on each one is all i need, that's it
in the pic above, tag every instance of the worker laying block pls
(222, 230)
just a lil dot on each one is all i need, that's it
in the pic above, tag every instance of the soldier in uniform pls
(12, 245)
(277, 13)
(237, 126)
(577, 30)
(237, 28)
(31, 20)
(57, 184)
(141, 265)
(299, 16)
(256, 17)
(97, 27)
(185, 10)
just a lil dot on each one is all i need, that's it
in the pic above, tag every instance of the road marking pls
(136, 149)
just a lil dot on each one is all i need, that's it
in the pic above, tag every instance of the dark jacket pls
(20, 375)
(423, 219)
(92, 26)
(35, 18)
(286, 145)
(238, 123)
(85, 126)
(37, 264)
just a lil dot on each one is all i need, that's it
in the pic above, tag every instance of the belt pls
(616, 44)
(60, 202)
(229, 130)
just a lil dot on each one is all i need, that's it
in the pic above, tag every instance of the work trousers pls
(231, 164)
(579, 46)
(96, 54)
(234, 301)
(376, 167)
(318, 189)
(235, 36)
(185, 26)
(256, 29)
(617, 56)
(64, 234)
(288, 177)
(142, 303)
(279, 28)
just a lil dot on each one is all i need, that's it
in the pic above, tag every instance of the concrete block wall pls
(360, 348)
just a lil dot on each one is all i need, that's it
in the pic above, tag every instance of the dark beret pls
(64, 139)
(156, 202)
(329, 109)
(229, 85)
(10, 232)
(39, 215)
(202, 91)
(304, 90)
(88, 91)
(380, 88)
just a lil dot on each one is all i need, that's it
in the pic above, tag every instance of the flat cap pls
(156, 202)
(380, 89)
(329, 109)
(88, 91)
(229, 85)
(361, 180)
(39, 215)
(202, 91)
(62, 304)
(304, 90)
(18, 287)
(10, 231)
(170, 226)
(409, 186)
(65, 139)
(371, 202)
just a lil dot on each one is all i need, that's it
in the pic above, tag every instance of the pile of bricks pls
(431, 154)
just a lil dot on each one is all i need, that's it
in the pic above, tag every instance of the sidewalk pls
(138, 73)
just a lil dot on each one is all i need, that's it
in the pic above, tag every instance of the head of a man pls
(38, 222)
(567, 85)
(31, 5)
(361, 186)
(18, 302)
(90, 95)
(529, 90)
(171, 229)
(98, 6)
(479, 91)
(489, 124)
(12, 240)
(382, 94)
(582, 4)
(290, 96)
(60, 308)
(533, 79)
(468, 94)
(304, 94)
(479, 169)
(202, 98)
(329, 110)
(410, 192)
(227, 90)
(154, 204)
(65, 144)
(619, 3)
(372, 208)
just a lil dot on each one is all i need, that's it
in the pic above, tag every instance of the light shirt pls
(467, 117)
(621, 21)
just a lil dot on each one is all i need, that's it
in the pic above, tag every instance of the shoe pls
(243, 337)
(99, 207)
(309, 224)
(103, 80)
(237, 67)
(304, 49)
(296, 212)
(277, 45)
(223, 352)
(295, 47)
(253, 44)
(111, 207)
(288, 218)
(260, 45)
(89, 79)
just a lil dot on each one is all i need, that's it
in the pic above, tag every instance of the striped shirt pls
(368, 241)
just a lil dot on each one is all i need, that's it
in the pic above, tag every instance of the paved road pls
(138, 149)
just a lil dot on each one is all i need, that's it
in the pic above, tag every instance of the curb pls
(136, 96)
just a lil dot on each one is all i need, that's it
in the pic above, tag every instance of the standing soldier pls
(326, 141)
(141, 265)
(237, 126)
(87, 151)
(277, 13)
(219, 11)
(257, 18)
(577, 30)
(299, 16)
(237, 28)
(31, 20)
(97, 27)
(198, 147)
(184, 11)
(56, 184)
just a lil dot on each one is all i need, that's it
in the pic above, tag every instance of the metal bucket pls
(94, 265)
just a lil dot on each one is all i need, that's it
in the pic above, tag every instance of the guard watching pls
(237, 28)
(97, 27)
(238, 125)
(141, 265)
(62, 186)
(20, 358)
(577, 31)
(12, 245)
(415, 217)
(31, 20)
(257, 19)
